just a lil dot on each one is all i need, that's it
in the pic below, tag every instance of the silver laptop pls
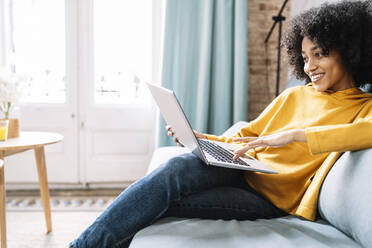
(211, 152)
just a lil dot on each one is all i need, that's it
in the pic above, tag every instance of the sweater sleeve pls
(340, 138)
(255, 127)
(244, 132)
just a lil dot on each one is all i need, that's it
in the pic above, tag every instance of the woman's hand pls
(273, 140)
(199, 135)
(171, 133)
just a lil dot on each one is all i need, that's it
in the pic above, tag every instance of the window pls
(122, 50)
(35, 38)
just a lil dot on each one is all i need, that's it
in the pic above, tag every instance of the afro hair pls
(345, 27)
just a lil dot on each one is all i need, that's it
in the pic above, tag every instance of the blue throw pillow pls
(345, 198)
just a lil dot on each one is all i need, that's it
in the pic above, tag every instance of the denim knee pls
(181, 164)
(176, 174)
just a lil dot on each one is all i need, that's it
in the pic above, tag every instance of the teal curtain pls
(205, 62)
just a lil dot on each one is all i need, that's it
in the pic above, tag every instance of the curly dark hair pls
(345, 27)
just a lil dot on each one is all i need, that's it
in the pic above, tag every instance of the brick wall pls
(262, 65)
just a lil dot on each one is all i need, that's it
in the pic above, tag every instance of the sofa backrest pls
(235, 128)
(345, 198)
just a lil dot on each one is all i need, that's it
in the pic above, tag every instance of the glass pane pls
(122, 51)
(38, 34)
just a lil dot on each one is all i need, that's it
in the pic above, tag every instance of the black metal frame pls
(278, 18)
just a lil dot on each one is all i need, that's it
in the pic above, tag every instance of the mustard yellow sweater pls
(334, 122)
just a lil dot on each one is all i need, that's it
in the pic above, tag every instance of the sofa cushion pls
(288, 231)
(345, 198)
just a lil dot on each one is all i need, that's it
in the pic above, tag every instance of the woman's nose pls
(310, 66)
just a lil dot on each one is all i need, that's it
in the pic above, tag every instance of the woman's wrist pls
(299, 135)
(200, 135)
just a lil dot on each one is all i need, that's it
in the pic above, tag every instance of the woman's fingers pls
(274, 140)
(239, 152)
(244, 139)
(171, 134)
(175, 139)
(169, 129)
(253, 144)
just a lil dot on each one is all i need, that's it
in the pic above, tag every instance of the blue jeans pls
(183, 187)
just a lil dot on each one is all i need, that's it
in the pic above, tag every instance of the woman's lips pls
(316, 77)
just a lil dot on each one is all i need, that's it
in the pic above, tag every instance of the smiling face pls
(325, 71)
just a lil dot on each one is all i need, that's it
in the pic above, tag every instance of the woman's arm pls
(255, 127)
(341, 137)
(320, 139)
(273, 140)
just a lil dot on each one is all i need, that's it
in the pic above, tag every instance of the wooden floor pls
(28, 229)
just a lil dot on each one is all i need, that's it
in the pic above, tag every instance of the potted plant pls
(10, 94)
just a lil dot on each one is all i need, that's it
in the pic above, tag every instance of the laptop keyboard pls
(219, 153)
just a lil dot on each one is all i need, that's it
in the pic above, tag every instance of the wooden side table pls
(27, 141)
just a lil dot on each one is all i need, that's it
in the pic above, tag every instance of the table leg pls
(2, 204)
(44, 189)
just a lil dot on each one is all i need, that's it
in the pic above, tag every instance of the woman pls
(300, 134)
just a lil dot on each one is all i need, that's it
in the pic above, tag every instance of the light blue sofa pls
(345, 207)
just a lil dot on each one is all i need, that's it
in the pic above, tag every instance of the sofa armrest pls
(235, 128)
(345, 198)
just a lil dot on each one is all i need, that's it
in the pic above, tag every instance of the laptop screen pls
(173, 114)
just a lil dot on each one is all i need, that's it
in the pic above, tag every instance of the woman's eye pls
(318, 54)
